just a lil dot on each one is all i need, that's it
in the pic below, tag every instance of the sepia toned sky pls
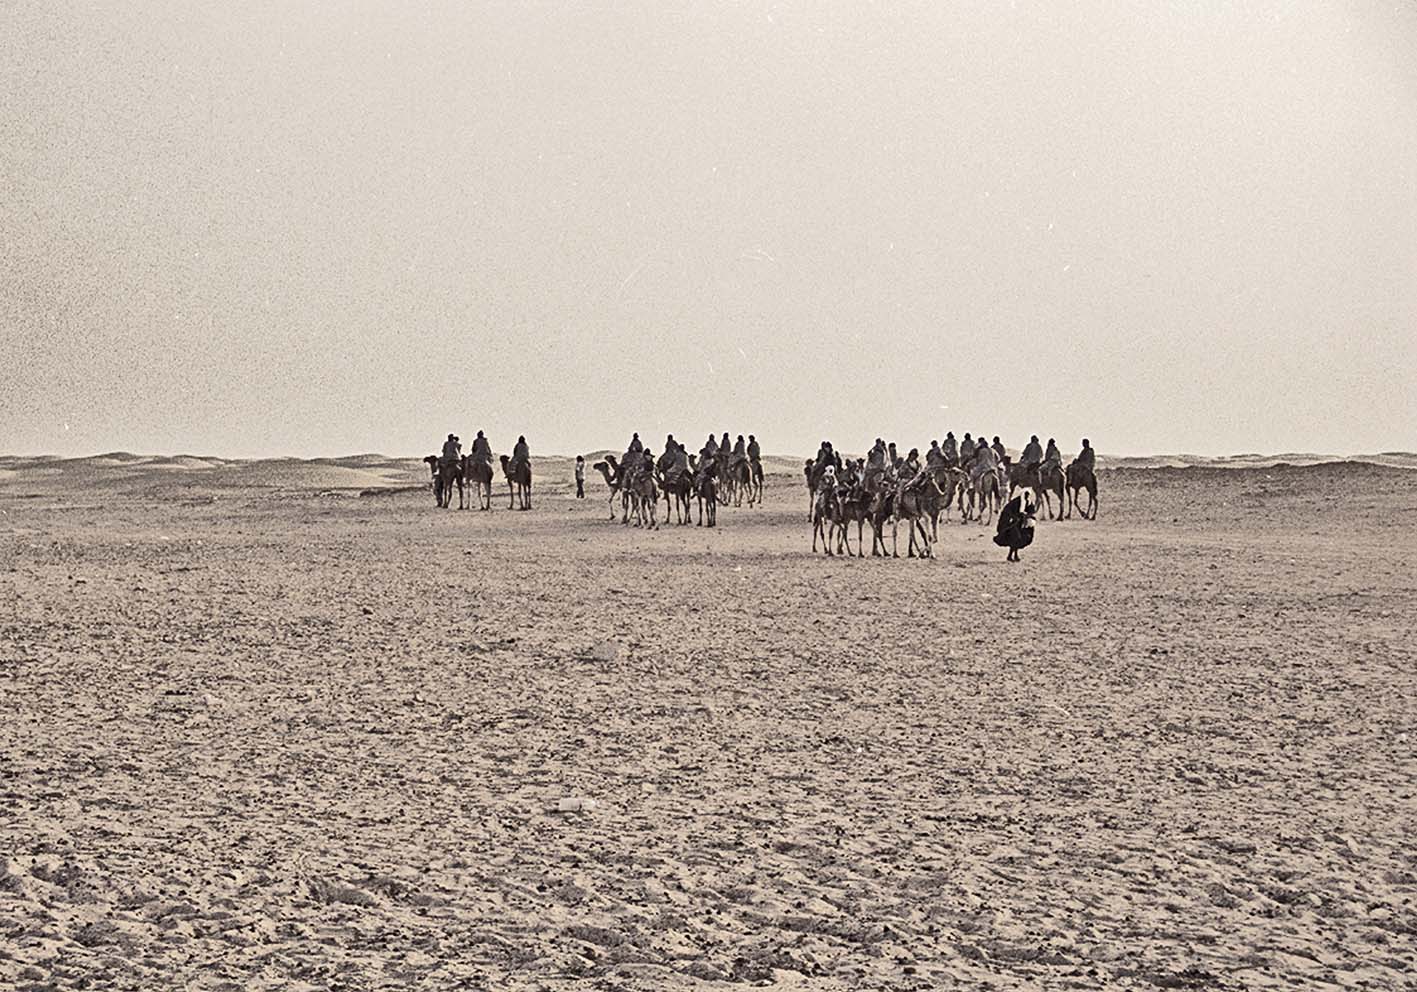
(298, 228)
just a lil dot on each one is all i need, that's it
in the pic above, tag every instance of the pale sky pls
(314, 229)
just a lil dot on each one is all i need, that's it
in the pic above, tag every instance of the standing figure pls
(1015, 527)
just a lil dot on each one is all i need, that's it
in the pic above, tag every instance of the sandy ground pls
(255, 737)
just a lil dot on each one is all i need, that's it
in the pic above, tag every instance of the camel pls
(853, 505)
(880, 509)
(737, 481)
(1025, 477)
(986, 490)
(917, 502)
(611, 471)
(478, 474)
(1052, 480)
(518, 484)
(952, 483)
(678, 489)
(1081, 477)
(444, 476)
(640, 490)
(706, 489)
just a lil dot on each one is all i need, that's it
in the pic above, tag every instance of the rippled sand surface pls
(256, 737)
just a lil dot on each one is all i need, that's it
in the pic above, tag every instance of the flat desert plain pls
(284, 725)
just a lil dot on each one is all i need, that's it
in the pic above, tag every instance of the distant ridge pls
(124, 471)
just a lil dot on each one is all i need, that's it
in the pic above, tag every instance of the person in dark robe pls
(636, 445)
(950, 449)
(1015, 526)
(521, 454)
(755, 453)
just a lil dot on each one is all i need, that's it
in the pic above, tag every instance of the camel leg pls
(926, 545)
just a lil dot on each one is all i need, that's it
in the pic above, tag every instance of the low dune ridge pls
(122, 470)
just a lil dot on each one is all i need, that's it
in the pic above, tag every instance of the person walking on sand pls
(580, 477)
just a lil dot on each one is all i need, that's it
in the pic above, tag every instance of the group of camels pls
(475, 472)
(843, 492)
(715, 477)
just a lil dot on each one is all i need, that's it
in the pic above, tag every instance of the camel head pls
(432, 462)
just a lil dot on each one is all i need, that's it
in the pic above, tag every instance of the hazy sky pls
(300, 228)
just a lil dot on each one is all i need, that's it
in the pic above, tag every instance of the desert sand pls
(284, 725)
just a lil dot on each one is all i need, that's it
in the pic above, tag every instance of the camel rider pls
(521, 454)
(966, 450)
(635, 445)
(709, 451)
(452, 450)
(677, 457)
(876, 457)
(1053, 456)
(481, 449)
(892, 459)
(740, 450)
(1000, 451)
(755, 454)
(934, 458)
(1087, 458)
(725, 447)
(985, 460)
(950, 449)
(876, 466)
(1032, 453)
(910, 468)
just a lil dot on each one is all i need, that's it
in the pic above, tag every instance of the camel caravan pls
(721, 474)
(474, 471)
(973, 477)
